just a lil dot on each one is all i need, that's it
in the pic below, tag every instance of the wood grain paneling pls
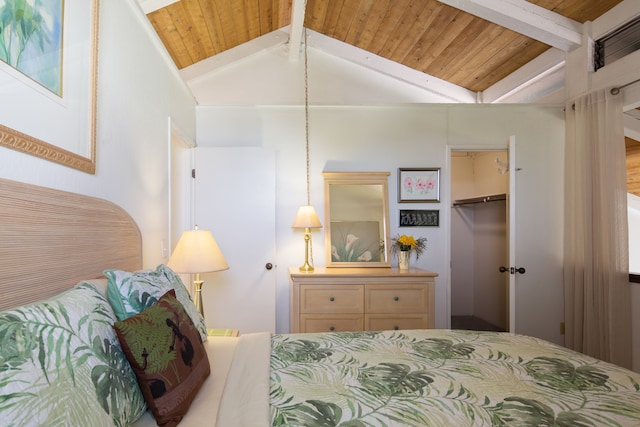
(193, 30)
(425, 35)
(51, 239)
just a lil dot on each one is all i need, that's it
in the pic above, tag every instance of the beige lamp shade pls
(306, 218)
(197, 252)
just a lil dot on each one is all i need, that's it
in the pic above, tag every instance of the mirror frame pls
(357, 178)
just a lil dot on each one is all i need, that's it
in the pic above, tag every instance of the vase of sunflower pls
(403, 246)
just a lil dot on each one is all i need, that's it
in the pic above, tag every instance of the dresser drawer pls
(390, 298)
(335, 323)
(390, 322)
(331, 298)
(356, 299)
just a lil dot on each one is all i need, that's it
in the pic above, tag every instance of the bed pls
(429, 378)
(50, 240)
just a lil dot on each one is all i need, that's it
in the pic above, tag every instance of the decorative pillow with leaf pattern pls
(167, 355)
(132, 292)
(61, 364)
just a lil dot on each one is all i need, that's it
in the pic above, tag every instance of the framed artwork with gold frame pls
(53, 123)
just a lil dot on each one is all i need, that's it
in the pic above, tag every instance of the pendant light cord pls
(306, 125)
(306, 113)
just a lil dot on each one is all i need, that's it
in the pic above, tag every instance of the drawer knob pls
(332, 299)
(396, 298)
(396, 328)
(332, 328)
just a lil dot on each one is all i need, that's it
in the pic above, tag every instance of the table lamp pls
(306, 218)
(197, 252)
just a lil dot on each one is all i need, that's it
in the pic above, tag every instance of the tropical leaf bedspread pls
(444, 378)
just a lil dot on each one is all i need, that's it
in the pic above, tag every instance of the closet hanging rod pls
(481, 199)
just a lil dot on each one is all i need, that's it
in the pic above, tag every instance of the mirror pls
(356, 214)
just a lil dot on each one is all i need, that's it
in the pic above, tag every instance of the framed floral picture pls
(418, 185)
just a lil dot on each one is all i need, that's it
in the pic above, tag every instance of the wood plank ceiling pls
(425, 35)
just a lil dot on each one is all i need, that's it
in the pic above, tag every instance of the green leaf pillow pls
(132, 292)
(166, 353)
(61, 364)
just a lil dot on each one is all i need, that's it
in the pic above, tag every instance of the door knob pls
(268, 266)
(512, 270)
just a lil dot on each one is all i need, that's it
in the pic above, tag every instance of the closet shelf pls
(481, 199)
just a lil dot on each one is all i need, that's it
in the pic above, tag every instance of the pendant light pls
(306, 217)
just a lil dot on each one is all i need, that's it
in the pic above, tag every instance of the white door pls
(536, 240)
(235, 200)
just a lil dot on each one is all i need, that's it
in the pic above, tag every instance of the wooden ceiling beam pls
(528, 80)
(526, 18)
(298, 9)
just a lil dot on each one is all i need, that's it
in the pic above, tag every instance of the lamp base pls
(307, 267)
(197, 300)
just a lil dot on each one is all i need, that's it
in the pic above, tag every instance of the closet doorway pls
(479, 240)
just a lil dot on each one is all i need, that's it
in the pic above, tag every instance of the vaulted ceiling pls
(470, 43)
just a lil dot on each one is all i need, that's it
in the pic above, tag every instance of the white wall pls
(376, 138)
(137, 92)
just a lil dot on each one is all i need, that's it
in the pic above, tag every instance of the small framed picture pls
(418, 185)
(419, 218)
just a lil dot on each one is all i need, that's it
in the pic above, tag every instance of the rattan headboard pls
(51, 239)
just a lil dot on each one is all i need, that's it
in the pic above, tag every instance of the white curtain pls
(596, 261)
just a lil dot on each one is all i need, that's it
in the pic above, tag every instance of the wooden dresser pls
(356, 299)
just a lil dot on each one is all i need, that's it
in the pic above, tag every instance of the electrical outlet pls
(561, 328)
